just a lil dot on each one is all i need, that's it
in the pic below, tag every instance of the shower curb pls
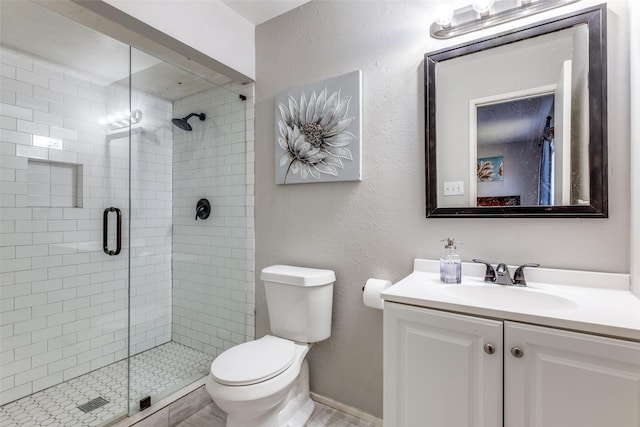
(174, 400)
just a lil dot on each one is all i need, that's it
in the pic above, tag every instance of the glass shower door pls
(64, 270)
(159, 365)
(189, 276)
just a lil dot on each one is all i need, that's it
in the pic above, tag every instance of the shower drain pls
(93, 404)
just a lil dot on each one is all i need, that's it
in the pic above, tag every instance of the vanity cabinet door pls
(436, 369)
(569, 379)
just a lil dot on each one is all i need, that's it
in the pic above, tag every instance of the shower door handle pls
(105, 231)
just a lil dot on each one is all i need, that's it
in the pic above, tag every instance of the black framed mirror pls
(516, 123)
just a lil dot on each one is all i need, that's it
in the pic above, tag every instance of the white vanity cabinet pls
(569, 379)
(437, 372)
(444, 369)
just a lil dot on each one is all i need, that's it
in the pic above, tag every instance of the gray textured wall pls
(376, 227)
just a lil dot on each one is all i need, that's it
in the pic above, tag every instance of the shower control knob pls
(203, 209)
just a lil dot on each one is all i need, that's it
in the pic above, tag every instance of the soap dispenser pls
(450, 263)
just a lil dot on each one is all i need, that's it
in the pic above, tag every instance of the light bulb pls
(483, 7)
(444, 15)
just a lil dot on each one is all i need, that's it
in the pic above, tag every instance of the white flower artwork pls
(318, 132)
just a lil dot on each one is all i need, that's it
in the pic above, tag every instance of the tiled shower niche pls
(54, 184)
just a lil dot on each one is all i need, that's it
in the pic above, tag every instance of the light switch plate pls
(454, 188)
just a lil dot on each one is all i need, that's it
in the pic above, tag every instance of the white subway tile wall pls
(151, 153)
(213, 261)
(63, 301)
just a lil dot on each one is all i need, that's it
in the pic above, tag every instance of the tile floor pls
(212, 416)
(156, 372)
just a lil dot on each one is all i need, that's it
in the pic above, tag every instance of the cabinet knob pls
(489, 348)
(517, 352)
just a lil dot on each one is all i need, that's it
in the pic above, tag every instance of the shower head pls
(183, 122)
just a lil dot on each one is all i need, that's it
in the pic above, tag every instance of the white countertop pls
(600, 303)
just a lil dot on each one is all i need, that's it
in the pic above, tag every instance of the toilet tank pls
(299, 300)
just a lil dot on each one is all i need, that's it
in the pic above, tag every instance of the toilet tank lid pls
(299, 276)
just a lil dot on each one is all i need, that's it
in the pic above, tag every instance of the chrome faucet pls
(503, 277)
(500, 275)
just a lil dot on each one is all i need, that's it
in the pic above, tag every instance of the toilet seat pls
(253, 361)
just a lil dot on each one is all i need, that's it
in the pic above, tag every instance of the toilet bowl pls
(265, 383)
(260, 398)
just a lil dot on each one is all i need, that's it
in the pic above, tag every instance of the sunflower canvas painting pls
(318, 131)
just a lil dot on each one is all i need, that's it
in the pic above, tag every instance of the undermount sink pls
(509, 296)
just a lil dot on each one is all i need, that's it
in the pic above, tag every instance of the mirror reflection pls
(523, 159)
(520, 122)
(517, 132)
(516, 157)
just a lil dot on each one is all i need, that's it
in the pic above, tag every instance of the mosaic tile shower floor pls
(156, 372)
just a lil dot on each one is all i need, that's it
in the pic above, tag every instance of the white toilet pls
(265, 383)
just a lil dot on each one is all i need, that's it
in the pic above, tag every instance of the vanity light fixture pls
(121, 119)
(483, 7)
(444, 15)
(483, 14)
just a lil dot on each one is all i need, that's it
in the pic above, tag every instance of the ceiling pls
(259, 11)
(519, 120)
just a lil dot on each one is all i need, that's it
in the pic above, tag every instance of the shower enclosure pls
(112, 294)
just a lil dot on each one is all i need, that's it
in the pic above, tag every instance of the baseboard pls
(346, 409)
